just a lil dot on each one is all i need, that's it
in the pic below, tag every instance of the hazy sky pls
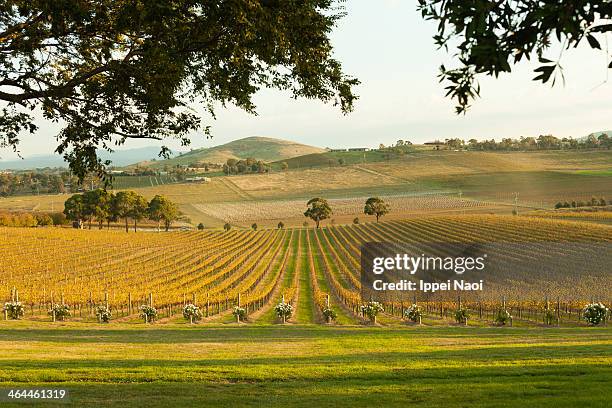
(389, 48)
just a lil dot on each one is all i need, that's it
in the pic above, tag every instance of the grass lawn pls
(311, 366)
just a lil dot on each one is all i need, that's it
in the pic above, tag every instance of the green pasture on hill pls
(177, 365)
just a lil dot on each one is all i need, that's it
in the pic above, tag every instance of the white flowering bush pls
(372, 309)
(239, 312)
(283, 310)
(329, 314)
(192, 312)
(149, 313)
(502, 317)
(461, 315)
(61, 311)
(413, 313)
(594, 313)
(14, 310)
(104, 314)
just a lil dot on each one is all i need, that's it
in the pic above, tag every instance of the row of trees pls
(28, 219)
(594, 202)
(249, 165)
(542, 142)
(103, 206)
(319, 209)
(35, 182)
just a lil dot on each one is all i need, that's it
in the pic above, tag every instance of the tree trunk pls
(108, 225)
(89, 222)
(167, 226)
(317, 221)
(126, 225)
(377, 217)
(158, 225)
(134, 224)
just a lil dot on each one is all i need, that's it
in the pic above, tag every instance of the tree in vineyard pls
(128, 204)
(376, 206)
(161, 209)
(97, 204)
(139, 209)
(318, 210)
(74, 209)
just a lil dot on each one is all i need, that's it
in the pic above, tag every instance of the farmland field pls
(179, 365)
(492, 182)
(212, 269)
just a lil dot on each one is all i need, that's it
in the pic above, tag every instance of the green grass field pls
(303, 365)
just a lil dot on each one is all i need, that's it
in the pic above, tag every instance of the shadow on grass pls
(262, 333)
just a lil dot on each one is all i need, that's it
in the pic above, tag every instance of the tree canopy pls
(318, 210)
(492, 35)
(162, 209)
(102, 205)
(113, 70)
(375, 206)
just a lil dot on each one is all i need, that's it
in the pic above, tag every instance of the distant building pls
(337, 150)
(436, 143)
(197, 179)
(359, 149)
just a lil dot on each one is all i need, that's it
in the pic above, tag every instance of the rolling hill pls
(261, 148)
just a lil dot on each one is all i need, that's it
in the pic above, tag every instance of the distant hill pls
(261, 148)
(118, 158)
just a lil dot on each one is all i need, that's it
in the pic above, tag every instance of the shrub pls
(281, 225)
(14, 310)
(329, 314)
(356, 220)
(192, 312)
(43, 220)
(413, 313)
(200, 226)
(594, 313)
(61, 311)
(239, 312)
(59, 218)
(227, 226)
(502, 317)
(104, 314)
(371, 310)
(254, 226)
(149, 313)
(283, 310)
(461, 315)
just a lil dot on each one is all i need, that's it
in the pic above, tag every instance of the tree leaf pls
(593, 42)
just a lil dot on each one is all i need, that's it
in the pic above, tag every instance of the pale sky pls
(388, 46)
